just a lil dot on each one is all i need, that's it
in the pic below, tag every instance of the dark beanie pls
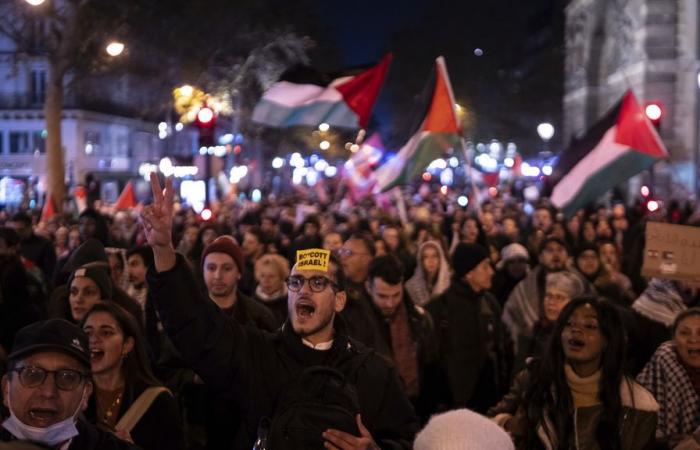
(226, 244)
(99, 273)
(466, 257)
(89, 251)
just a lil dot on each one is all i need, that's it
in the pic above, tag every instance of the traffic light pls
(655, 112)
(206, 122)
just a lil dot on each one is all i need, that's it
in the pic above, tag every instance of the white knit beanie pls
(462, 429)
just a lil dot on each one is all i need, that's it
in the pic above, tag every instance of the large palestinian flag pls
(620, 145)
(438, 132)
(345, 102)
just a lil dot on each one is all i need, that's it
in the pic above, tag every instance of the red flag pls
(361, 92)
(127, 199)
(49, 210)
(490, 178)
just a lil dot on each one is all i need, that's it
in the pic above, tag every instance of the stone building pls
(650, 46)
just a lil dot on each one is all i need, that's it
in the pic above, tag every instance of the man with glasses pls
(255, 369)
(47, 386)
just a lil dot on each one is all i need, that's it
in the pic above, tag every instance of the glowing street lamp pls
(35, 2)
(546, 131)
(114, 48)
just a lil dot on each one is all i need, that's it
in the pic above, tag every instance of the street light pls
(545, 130)
(114, 48)
(35, 2)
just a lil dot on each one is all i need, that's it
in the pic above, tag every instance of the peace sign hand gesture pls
(157, 221)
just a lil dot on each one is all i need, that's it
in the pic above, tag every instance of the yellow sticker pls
(313, 259)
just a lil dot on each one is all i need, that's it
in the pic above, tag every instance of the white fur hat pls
(462, 429)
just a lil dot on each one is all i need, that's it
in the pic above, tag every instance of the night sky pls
(514, 85)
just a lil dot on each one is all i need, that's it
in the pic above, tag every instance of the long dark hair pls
(548, 398)
(136, 367)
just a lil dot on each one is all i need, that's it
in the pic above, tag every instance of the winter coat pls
(423, 334)
(472, 346)
(252, 367)
(639, 416)
(89, 438)
(163, 414)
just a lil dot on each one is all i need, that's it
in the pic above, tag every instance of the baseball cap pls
(52, 335)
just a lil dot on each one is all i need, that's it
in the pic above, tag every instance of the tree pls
(57, 30)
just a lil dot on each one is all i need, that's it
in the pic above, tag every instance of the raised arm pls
(157, 220)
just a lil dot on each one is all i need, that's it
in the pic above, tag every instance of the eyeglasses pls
(65, 379)
(316, 283)
(342, 252)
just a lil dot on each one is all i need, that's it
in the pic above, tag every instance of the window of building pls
(92, 143)
(39, 142)
(19, 142)
(37, 87)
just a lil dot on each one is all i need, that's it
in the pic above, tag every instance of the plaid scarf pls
(404, 350)
(666, 378)
(660, 302)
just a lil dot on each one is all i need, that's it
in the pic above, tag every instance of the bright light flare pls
(653, 206)
(115, 48)
(545, 130)
(653, 111)
(206, 214)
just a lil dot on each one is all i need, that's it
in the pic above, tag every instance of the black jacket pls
(253, 367)
(89, 438)
(163, 414)
(473, 347)
(423, 333)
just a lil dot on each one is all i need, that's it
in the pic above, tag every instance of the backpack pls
(318, 399)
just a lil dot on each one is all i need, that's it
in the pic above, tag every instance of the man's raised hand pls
(157, 218)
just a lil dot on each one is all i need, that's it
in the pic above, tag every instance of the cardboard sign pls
(672, 252)
(313, 259)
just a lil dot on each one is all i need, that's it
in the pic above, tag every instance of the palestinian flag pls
(127, 199)
(620, 145)
(438, 132)
(345, 102)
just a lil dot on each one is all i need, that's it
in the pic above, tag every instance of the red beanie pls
(228, 245)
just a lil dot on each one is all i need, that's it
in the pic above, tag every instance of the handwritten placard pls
(672, 251)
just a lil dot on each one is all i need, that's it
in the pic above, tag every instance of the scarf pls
(660, 302)
(417, 286)
(522, 309)
(584, 390)
(404, 350)
(668, 381)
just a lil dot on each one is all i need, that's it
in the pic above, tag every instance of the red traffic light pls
(654, 112)
(206, 117)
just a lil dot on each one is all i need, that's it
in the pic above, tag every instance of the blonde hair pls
(276, 262)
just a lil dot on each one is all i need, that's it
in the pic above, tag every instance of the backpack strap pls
(129, 420)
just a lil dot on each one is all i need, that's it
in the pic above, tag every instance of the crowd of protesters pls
(500, 325)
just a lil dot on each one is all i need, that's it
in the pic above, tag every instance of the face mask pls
(52, 435)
